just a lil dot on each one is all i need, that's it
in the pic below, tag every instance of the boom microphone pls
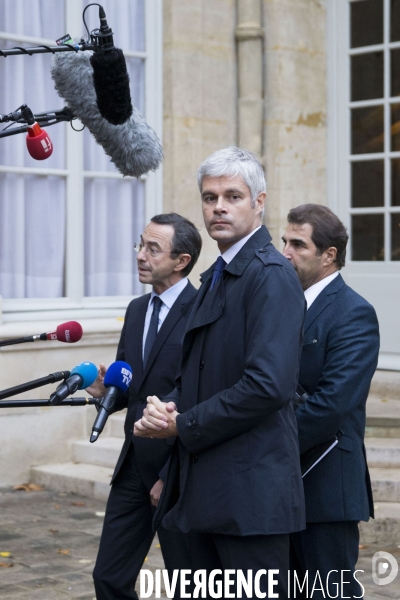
(82, 376)
(132, 145)
(110, 76)
(117, 379)
(69, 332)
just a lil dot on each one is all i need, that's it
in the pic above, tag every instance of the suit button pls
(141, 400)
(191, 423)
(197, 435)
(194, 458)
(201, 364)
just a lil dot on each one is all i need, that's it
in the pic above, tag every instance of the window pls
(68, 224)
(364, 152)
(374, 129)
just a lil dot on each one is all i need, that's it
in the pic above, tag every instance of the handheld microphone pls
(82, 376)
(132, 145)
(38, 143)
(69, 332)
(117, 379)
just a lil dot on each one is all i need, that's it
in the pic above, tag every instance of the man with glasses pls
(151, 343)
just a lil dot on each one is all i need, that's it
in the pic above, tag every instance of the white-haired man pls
(240, 488)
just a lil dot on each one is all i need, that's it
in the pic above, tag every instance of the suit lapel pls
(137, 326)
(169, 323)
(322, 301)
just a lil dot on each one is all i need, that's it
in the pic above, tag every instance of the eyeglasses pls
(139, 246)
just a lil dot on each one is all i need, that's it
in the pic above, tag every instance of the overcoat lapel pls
(136, 331)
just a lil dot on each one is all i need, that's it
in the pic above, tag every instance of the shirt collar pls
(230, 254)
(313, 291)
(171, 294)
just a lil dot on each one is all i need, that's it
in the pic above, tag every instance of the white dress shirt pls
(168, 298)
(230, 254)
(314, 290)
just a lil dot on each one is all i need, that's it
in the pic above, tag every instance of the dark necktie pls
(153, 327)
(219, 267)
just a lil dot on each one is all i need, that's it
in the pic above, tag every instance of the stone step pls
(116, 425)
(386, 384)
(104, 452)
(385, 484)
(385, 528)
(383, 417)
(83, 479)
(383, 452)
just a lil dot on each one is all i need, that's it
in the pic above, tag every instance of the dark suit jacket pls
(339, 358)
(158, 378)
(239, 469)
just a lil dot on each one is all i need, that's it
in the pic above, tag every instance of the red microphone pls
(69, 332)
(38, 142)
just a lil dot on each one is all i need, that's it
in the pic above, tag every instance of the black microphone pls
(117, 379)
(82, 376)
(110, 76)
(96, 89)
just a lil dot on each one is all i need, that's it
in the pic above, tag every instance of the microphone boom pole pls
(66, 402)
(31, 385)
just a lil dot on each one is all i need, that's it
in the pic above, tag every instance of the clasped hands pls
(158, 420)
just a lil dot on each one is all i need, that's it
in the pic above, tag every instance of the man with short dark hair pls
(240, 490)
(339, 358)
(151, 343)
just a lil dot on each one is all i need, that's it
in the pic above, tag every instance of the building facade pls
(311, 86)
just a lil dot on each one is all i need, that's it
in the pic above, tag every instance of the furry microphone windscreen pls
(133, 147)
(111, 84)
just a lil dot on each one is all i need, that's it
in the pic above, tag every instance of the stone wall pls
(295, 107)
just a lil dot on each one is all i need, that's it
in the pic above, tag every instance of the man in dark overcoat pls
(240, 489)
(339, 358)
(151, 343)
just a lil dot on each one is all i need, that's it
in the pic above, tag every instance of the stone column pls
(249, 36)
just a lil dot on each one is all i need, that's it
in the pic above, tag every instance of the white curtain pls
(33, 208)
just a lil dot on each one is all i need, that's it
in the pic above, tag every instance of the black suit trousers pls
(211, 551)
(127, 536)
(326, 547)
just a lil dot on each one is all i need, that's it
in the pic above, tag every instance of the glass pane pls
(367, 130)
(32, 242)
(367, 183)
(395, 73)
(395, 127)
(114, 221)
(396, 182)
(367, 76)
(366, 19)
(20, 77)
(126, 19)
(396, 236)
(367, 237)
(395, 20)
(37, 18)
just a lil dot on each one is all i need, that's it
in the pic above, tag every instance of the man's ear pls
(183, 261)
(330, 255)
(260, 201)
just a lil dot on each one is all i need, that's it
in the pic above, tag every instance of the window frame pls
(339, 157)
(75, 304)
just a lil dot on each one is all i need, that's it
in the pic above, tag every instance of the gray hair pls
(231, 162)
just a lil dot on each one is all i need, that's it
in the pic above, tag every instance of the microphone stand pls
(24, 115)
(18, 50)
(66, 402)
(31, 385)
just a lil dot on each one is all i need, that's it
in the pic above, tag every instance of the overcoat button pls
(195, 458)
(201, 364)
(191, 423)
